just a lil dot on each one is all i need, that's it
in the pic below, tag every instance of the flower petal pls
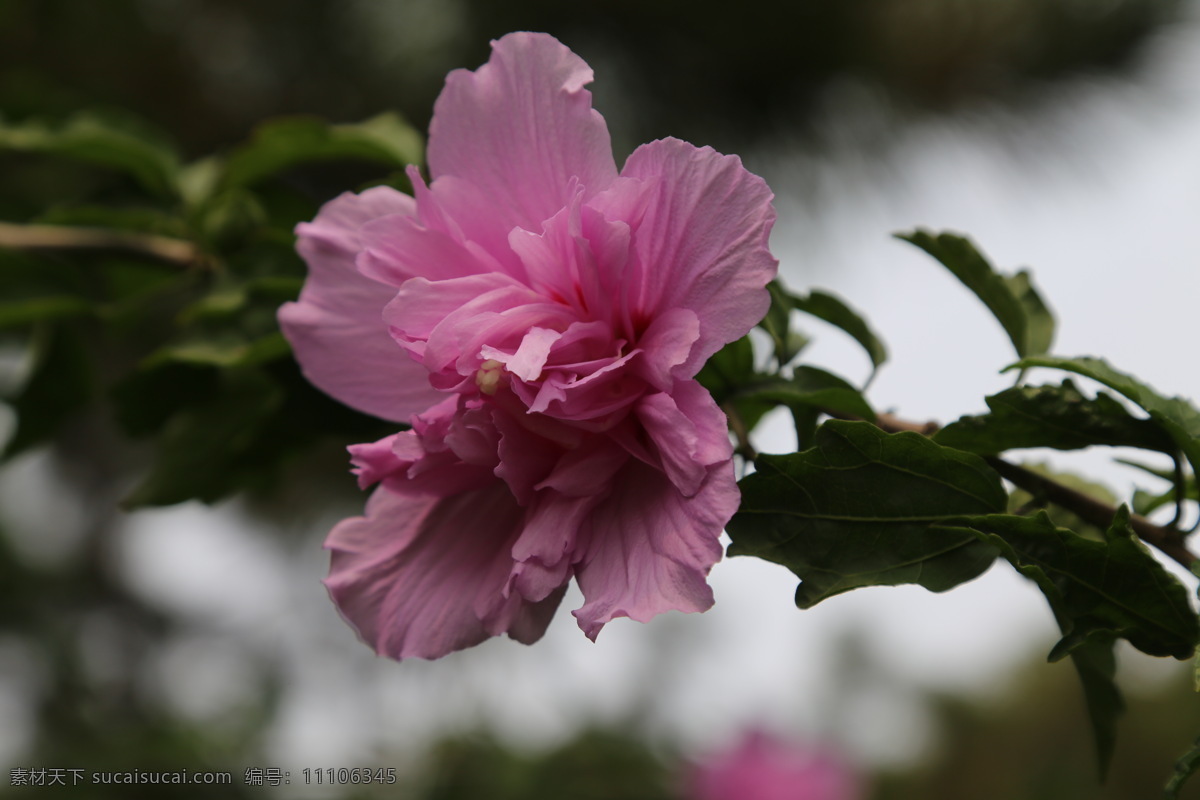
(520, 128)
(423, 577)
(665, 345)
(398, 247)
(702, 244)
(649, 548)
(690, 431)
(341, 311)
(544, 548)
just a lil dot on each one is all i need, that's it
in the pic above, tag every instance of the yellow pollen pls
(488, 376)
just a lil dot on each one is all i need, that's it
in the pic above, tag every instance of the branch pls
(1167, 539)
(60, 237)
(1089, 509)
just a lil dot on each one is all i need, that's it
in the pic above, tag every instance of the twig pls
(1091, 510)
(61, 237)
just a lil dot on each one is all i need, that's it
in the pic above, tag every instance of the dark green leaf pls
(59, 384)
(832, 309)
(1096, 664)
(778, 325)
(859, 509)
(277, 288)
(206, 451)
(139, 220)
(147, 398)
(231, 218)
(812, 388)
(1024, 501)
(285, 143)
(729, 369)
(726, 373)
(41, 309)
(116, 144)
(1011, 299)
(1109, 588)
(1098, 591)
(1175, 415)
(1052, 416)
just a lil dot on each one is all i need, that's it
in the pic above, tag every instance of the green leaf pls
(1012, 299)
(1098, 591)
(1024, 501)
(1195, 570)
(1175, 415)
(207, 450)
(226, 354)
(230, 218)
(729, 369)
(1096, 664)
(778, 325)
(147, 398)
(42, 309)
(1146, 503)
(812, 388)
(1039, 319)
(861, 507)
(198, 181)
(726, 374)
(285, 143)
(224, 301)
(1109, 588)
(1060, 417)
(107, 142)
(139, 220)
(59, 384)
(1185, 767)
(832, 309)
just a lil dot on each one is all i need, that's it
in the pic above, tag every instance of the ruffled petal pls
(690, 432)
(665, 345)
(340, 312)
(375, 461)
(337, 226)
(649, 548)
(398, 247)
(702, 243)
(446, 324)
(543, 551)
(423, 577)
(520, 128)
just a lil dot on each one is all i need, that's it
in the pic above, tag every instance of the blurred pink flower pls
(762, 767)
(538, 319)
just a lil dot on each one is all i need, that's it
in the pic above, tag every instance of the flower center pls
(489, 375)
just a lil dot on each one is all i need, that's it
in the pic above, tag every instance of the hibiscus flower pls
(537, 318)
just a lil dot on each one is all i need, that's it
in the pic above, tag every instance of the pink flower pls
(538, 319)
(763, 767)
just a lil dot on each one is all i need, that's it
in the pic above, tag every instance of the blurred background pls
(1059, 134)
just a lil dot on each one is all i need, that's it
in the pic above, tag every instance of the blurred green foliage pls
(702, 70)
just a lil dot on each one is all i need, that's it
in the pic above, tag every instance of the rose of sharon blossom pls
(538, 319)
(762, 767)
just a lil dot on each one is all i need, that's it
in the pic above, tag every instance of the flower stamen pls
(489, 376)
